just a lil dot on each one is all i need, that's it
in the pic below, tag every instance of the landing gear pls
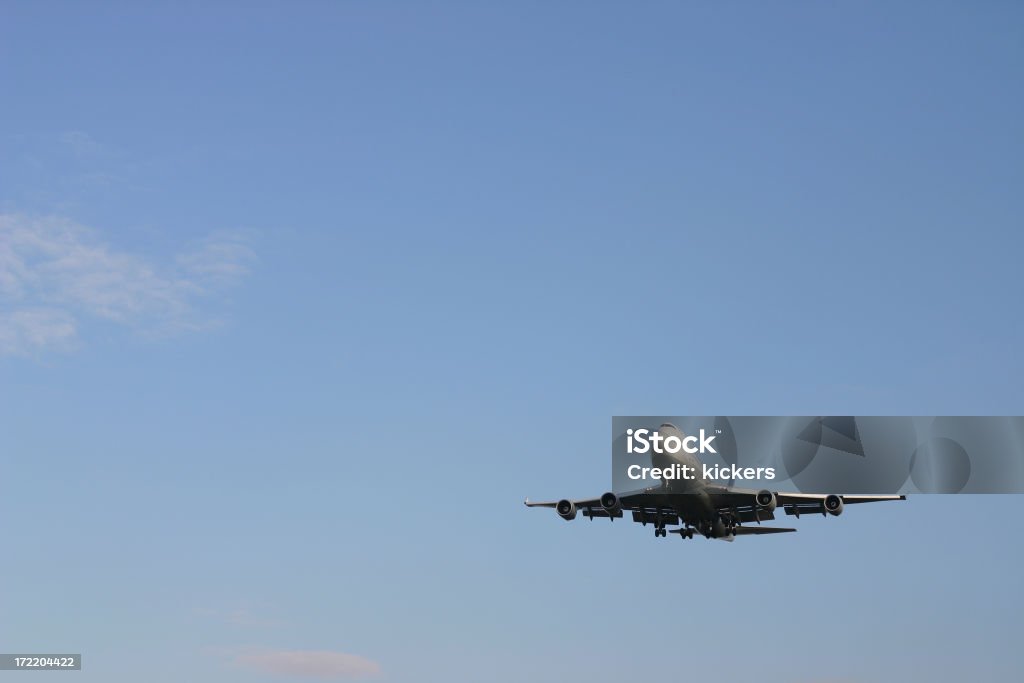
(730, 523)
(684, 532)
(660, 531)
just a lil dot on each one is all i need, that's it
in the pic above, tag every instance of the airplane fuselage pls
(696, 508)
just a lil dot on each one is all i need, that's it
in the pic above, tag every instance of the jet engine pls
(833, 504)
(765, 500)
(611, 504)
(566, 510)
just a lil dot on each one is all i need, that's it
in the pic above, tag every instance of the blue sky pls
(300, 301)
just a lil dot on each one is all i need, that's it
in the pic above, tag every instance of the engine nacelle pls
(566, 509)
(833, 504)
(611, 504)
(765, 500)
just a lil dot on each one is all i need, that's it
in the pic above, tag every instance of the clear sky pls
(298, 301)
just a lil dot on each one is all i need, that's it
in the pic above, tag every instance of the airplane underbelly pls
(695, 506)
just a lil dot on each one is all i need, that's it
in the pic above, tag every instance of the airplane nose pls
(668, 429)
(669, 453)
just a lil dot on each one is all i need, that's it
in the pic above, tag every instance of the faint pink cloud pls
(322, 664)
(239, 616)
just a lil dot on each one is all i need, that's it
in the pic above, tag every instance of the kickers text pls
(708, 472)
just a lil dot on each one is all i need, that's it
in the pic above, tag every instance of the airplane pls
(697, 506)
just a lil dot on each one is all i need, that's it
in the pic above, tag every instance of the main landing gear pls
(685, 532)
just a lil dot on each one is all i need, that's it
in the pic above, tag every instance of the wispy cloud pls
(222, 258)
(55, 274)
(58, 171)
(35, 328)
(81, 143)
(318, 664)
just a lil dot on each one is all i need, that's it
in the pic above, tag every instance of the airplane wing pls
(849, 499)
(646, 501)
(591, 506)
(799, 503)
(656, 506)
(732, 507)
(745, 502)
(588, 507)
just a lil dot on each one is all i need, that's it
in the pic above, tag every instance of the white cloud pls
(321, 664)
(221, 258)
(34, 329)
(55, 273)
(81, 143)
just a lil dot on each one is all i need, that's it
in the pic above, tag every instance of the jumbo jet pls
(698, 506)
